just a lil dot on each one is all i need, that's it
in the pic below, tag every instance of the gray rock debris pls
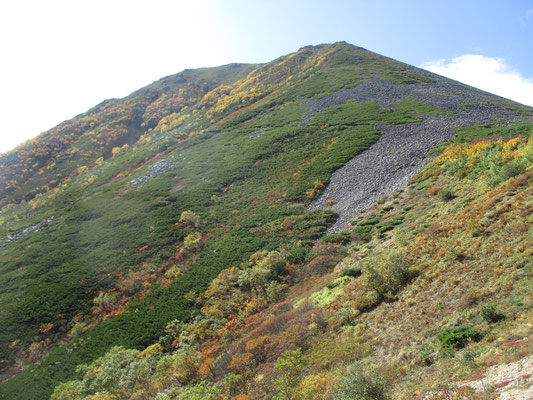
(153, 170)
(28, 231)
(99, 171)
(402, 150)
(259, 134)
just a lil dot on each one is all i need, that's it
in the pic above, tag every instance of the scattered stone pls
(402, 150)
(259, 134)
(512, 381)
(27, 231)
(100, 171)
(153, 170)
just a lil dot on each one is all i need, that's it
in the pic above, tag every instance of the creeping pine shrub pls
(297, 255)
(338, 238)
(358, 386)
(352, 272)
(333, 284)
(456, 337)
(363, 233)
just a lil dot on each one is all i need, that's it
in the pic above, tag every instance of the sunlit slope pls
(96, 248)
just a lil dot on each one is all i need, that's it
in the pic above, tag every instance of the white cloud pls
(493, 75)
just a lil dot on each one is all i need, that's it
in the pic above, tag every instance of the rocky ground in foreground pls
(512, 381)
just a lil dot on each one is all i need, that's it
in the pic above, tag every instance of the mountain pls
(328, 224)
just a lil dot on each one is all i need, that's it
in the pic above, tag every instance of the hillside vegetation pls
(160, 246)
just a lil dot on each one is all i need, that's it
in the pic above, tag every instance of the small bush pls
(333, 284)
(352, 272)
(490, 314)
(457, 337)
(357, 386)
(337, 238)
(387, 273)
(297, 255)
(446, 195)
(362, 233)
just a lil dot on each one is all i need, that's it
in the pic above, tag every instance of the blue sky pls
(60, 57)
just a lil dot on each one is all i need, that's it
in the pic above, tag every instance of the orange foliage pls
(433, 190)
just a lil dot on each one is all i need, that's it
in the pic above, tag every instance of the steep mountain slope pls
(187, 202)
(42, 163)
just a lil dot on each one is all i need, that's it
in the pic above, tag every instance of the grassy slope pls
(107, 230)
(80, 253)
(463, 241)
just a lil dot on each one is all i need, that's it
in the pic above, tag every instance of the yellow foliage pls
(316, 387)
(511, 149)
(151, 351)
(101, 396)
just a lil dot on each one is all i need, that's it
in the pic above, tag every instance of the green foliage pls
(333, 284)
(355, 385)
(505, 171)
(338, 238)
(192, 241)
(235, 150)
(495, 130)
(289, 366)
(262, 268)
(120, 373)
(446, 195)
(189, 218)
(352, 272)
(70, 390)
(457, 337)
(297, 254)
(387, 273)
(201, 391)
(490, 314)
(366, 229)
(406, 77)
(416, 107)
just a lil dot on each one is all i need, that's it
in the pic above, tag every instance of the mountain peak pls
(301, 228)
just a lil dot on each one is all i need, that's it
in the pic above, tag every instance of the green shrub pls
(337, 238)
(297, 255)
(490, 314)
(502, 173)
(289, 366)
(352, 272)
(362, 233)
(446, 195)
(456, 337)
(357, 386)
(333, 284)
(387, 273)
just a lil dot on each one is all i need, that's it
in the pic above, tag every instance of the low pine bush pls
(457, 337)
(352, 272)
